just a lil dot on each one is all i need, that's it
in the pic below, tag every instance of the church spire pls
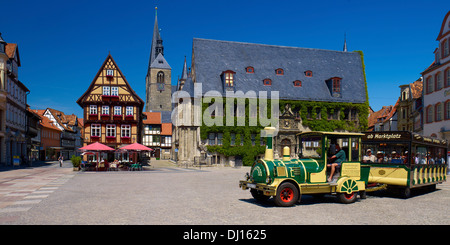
(345, 42)
(157, 46)
(184, 74)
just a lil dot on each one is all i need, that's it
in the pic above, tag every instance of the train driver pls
(336, 160)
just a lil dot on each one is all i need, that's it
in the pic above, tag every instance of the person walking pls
(60, 159)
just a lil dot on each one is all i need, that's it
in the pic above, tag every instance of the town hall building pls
(318, 90)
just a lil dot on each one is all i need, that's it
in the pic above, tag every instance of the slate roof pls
(212, 57)
(160, 63)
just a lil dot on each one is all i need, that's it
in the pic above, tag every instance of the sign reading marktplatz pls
(400, 136)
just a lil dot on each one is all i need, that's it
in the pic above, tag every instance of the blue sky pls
(62, 44)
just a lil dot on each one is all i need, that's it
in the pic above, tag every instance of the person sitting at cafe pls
(336, 160)
(369, 158)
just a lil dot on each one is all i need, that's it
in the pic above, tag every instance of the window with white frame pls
(129, 111)
(429, 112)
(92, 109)
(438, 81)
(212, 139)
(106, 90)
(125, 131)
(114, 91)
(429, 85)
(152, 129)
(105, 110)
(438, 112)
(110, 130)
(146, 140)
(166, 141)
(117, 110)
(96, 130)
(110, 72)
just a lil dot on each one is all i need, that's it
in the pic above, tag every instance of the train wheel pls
(405, 192)
(347, 198)
(287, 195)
(258, 195)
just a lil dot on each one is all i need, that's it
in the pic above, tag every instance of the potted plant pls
(76, 161)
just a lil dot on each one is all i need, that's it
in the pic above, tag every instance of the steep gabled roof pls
(81, 100)
(383, 115)
(212, 57)
(62, 119)
(47, 123)
(44, 121)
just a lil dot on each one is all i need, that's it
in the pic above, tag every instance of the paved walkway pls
(22, 187)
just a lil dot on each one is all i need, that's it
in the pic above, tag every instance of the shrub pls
(76, 161)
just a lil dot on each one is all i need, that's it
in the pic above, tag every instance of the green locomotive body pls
(287, 179)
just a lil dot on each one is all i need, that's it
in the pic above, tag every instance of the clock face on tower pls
(286, 123)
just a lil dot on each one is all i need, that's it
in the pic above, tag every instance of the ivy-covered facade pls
(318, 90)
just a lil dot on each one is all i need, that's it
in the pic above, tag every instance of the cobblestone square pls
(166, 195)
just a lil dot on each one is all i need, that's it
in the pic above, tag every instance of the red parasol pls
(136, 147)
(96, 147)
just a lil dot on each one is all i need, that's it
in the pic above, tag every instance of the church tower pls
(158, 79)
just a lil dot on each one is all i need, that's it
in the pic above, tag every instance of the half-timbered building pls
(112, 110)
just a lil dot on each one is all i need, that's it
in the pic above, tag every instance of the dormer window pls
(297, 83)
(279, 71)
(228, 78)
(308, 73)
(336, 84)
(250, 69)
(267, 82)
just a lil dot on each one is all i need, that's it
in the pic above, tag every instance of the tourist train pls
(347, 165)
